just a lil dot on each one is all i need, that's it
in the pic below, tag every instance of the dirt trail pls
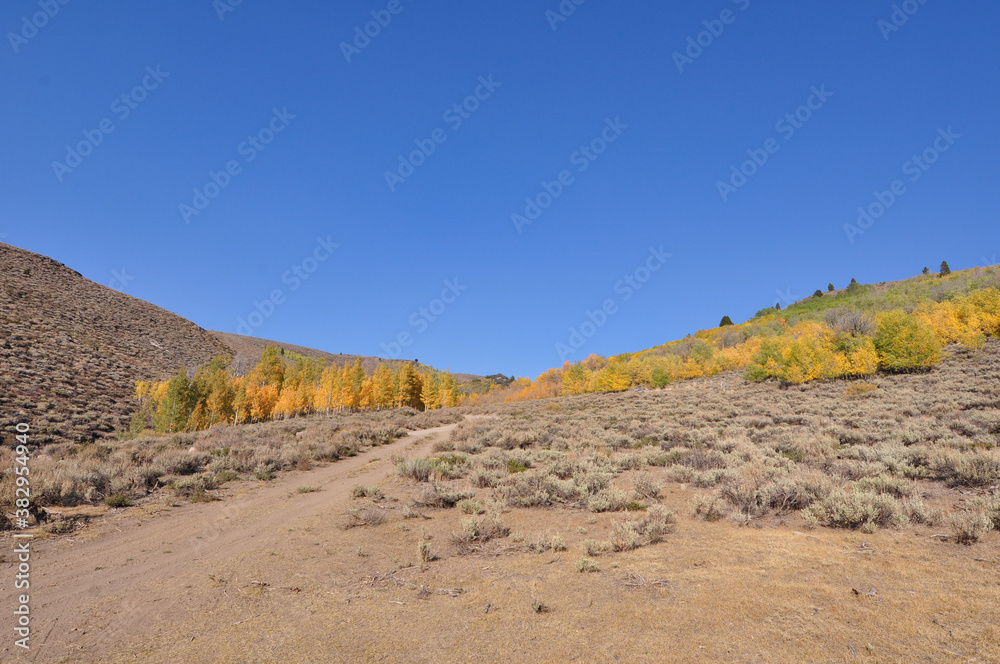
(93, 592)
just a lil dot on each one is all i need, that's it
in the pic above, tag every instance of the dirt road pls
(96, 591)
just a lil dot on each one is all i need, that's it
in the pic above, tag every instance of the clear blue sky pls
(323, 174)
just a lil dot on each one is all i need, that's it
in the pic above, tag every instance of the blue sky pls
(267, 90)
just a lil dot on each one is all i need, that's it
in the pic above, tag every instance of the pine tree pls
(926, 270)
(945, 270)
(726, 320)
(777, 305)
(830, 288)
(818, 293)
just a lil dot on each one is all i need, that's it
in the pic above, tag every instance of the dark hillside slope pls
(71, 349)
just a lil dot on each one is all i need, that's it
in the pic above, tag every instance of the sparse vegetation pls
(969, 526)
(118, 500)
(366, 516)
(362, 491)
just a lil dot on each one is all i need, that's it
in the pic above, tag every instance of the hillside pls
(71, 349)
(857, 332)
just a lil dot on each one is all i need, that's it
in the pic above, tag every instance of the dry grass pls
(731, 560)
(194, 465)
(710, 592)
(901, 460)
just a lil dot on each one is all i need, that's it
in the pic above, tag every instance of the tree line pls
(281, 386)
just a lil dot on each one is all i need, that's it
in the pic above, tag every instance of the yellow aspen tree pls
(286, 404)
(449, 391)
(384, 386)
(198, 420)
(410, 387)
(366, 400)
(272, 367)
(357, 382)
(306, 397)
(328, 390)
(241, 402)
(431, 393)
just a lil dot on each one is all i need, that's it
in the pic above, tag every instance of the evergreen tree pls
(926, 270)
(830, 288)
(945, 270)
(818, 293)
(726, 320)
(777, 305)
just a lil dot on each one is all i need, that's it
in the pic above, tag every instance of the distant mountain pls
(71, 350)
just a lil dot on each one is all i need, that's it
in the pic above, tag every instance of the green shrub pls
(224, 476)
(586, 565)
(118, 500)
(515, 466)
